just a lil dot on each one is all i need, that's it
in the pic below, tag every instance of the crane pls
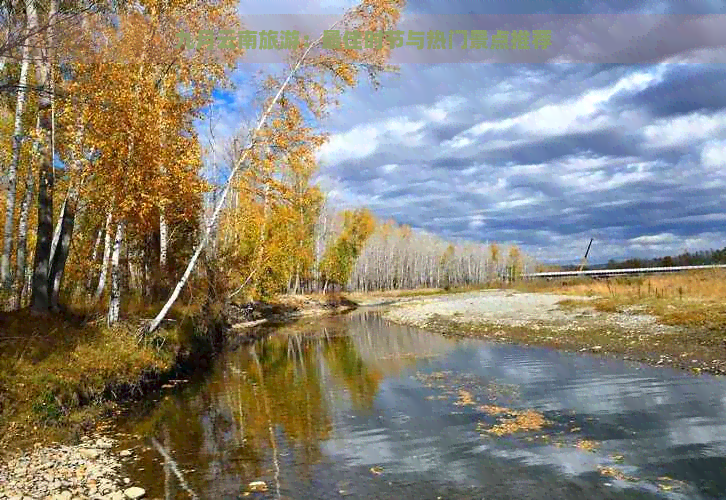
(583, 263)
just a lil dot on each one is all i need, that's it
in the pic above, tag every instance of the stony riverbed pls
(538, 319)
(88, 471)
(517, 310)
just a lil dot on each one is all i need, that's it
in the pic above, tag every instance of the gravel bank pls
(537, 319)
(88, 471)
(518, 310)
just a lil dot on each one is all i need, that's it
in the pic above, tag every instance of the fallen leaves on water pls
(668, 483)
(437, 397)
(506, 390)
(528, 420)
(495, 410)
(615, 473)
(587, 445)
(465, 398)
(434, 375)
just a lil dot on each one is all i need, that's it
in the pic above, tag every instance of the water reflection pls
(355, 406)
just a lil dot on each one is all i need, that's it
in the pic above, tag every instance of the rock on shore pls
(88, 471)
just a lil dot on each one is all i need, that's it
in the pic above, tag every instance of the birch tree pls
(40, 296)
(310, 83)
(12, 174)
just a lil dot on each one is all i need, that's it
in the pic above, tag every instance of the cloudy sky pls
(616, 132)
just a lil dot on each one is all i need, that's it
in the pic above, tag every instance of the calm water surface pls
(355, 407)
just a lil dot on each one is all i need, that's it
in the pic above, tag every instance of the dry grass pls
(60, 370)
(695, 299)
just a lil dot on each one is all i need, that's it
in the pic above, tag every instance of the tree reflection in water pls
(266, 409)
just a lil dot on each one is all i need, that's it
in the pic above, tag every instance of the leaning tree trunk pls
(60, 255)
(12, 175)
(60, 251)
(57, 230)
(114, 303)
(212, 223)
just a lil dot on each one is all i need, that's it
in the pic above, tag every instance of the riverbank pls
(370, 299)
(568, 322)
(60, 374)
(90, 469)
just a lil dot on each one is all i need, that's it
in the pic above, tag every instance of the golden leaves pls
(125, 92)
(528, 420)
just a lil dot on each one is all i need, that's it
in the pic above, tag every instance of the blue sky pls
(544, 155)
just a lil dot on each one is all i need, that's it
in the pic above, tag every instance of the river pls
(356, 407)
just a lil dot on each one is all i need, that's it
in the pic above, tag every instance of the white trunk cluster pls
(394, 260)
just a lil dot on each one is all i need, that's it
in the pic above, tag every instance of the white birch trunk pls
(114, 302)
(12, 176)
(163, 240)
(106, 256)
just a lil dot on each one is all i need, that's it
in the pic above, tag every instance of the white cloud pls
(654, 239)
(683, 130)
(713, 155)
(476, 221)
(585, 113)
(457, 143)
(358, 142)
(364, 140)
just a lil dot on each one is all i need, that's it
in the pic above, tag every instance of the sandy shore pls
(538, 319)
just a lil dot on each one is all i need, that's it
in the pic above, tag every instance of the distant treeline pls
(702, 258)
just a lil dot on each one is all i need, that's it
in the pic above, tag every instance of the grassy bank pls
(695, 300)
(699, 353)
(60, 373)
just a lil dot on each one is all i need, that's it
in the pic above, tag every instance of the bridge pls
(618, 272)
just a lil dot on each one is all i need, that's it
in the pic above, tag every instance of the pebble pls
(134, 492)
(60, 472)
(258, 486)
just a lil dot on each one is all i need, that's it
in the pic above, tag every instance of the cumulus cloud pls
(541, 155)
